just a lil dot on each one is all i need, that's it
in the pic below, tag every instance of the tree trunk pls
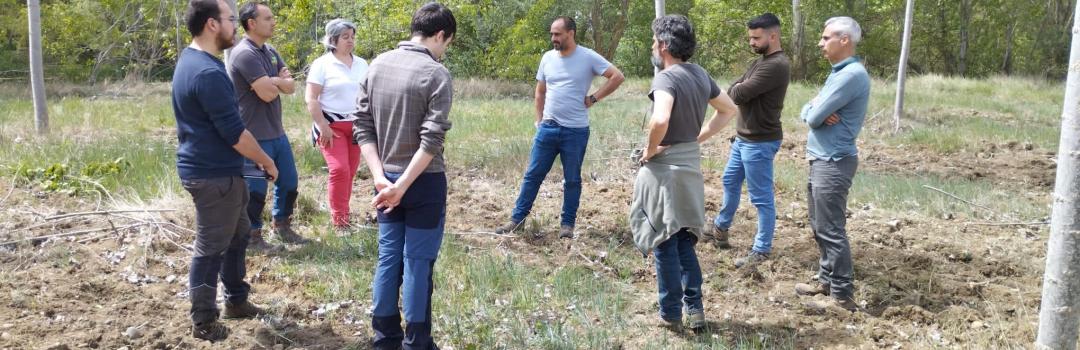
(798, 34)
(1059, 315)
(228, 52)
(901, 72)
(659, 6)
(1006, 61)
(965, 19)
(944, 44)
(37, 72)
(606, 36)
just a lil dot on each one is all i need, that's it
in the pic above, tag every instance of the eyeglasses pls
(232, 19)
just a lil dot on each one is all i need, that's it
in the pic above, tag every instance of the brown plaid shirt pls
(404, 106)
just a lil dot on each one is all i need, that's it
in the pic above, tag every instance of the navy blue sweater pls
(208, 122)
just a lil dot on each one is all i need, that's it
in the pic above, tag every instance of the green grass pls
(488, 297)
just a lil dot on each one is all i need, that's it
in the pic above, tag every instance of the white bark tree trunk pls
(901, 73)
(37, 72)
(659, 6)
(1059, 315)
(228, 52)
(797, 41)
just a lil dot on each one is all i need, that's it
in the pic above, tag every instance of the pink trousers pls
(343, 158)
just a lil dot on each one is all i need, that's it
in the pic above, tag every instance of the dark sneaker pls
(243, 310)
(811, 289)
(566, 232)
(284, 233)
(259, 245)
(212, 331)
(697, 319)
(719, 238)
(509, 227)
(751, 260)
(831, 305)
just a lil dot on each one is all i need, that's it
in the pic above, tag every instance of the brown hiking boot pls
(751, 260)
(259, 245)
(672, 325)
(284, 233)
(509, 227)
(811, 289)
(212, 331)
(566, 232)
(697, 319)
(243, 310)
(719, 237)
(831, 305)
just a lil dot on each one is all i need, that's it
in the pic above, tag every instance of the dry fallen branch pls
(960, 199)
(73, 233)
(1034, 223)
(107, 212)
(595, 263)
(481, 233)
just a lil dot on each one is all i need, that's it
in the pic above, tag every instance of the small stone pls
(133, 332)
(170, 279)
(5, 335)
(894, 225)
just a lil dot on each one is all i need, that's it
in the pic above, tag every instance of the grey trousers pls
(827, 193)
(221, 240)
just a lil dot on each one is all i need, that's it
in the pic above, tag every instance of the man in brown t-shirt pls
(259, 76)
(759, 93)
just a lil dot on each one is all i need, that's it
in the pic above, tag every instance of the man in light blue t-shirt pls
(562, 120)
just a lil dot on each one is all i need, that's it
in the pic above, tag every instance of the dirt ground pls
(921, 281)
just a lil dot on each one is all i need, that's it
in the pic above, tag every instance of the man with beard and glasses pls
(667, 214)
(562, 121)
(209, 161)
(260, 77)
(759, 93)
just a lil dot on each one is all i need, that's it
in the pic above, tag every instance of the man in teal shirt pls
(835, 118)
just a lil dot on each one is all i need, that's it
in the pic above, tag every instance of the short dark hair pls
(677, 32)
(432, 18)
(567, 22)
(198, 13)
(250, 10)
(765, 21)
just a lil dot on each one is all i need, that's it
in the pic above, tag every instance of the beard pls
(656, 61)
(761, 50)
(225, 42)
(558, 46)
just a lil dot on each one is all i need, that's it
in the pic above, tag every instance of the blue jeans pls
(409, 241)
(753, 162)
(678, 275)
(554, 140)
(285, 193)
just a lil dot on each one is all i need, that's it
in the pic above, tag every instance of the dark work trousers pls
(221, 240)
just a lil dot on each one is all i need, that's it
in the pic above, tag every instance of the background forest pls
(97, 40)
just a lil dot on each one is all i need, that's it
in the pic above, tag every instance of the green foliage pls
(92, 40)
(57, 177)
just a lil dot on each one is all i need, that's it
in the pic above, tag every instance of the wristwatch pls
(592, 98)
